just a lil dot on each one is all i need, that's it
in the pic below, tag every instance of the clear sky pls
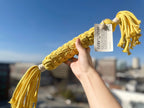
(31, 29)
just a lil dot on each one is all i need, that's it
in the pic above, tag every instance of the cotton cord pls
(26, 92)
(41, 68)
(130, 34)
(116, 20)
(102, 25)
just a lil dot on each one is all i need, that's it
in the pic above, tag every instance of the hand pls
(83, 64)
(97, 93)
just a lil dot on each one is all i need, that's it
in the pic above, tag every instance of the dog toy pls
(26, 92)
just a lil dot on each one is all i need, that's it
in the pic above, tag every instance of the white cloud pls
(12, 56)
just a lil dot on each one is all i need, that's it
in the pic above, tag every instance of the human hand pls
(83, 64)
(96, 91)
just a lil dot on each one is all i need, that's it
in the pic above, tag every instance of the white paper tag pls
(103, 38)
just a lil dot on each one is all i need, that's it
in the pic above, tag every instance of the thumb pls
(79, 46)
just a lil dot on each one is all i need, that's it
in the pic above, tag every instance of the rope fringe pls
(25, 94)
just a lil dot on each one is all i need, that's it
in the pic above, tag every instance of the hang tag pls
(103, 38)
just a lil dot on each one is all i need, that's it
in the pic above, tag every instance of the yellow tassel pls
(130, 30)
(25, 94)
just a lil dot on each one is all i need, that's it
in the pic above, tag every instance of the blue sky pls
(31, 29)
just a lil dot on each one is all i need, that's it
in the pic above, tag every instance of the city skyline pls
(30, 30)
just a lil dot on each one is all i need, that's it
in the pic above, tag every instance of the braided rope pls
(130, 34)
(68, 50)
(25, 94)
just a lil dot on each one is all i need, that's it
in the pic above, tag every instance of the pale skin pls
(97, 93)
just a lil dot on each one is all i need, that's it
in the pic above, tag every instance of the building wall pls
(107, 69)
(135, 63)
(4, 81)
(142, 70)
(19, 69)
(128, 98)
(64, 72)
(94, 62)
(61, 71)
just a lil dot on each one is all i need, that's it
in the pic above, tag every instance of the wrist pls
(89, 74)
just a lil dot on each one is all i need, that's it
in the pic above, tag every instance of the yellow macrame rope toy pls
(25, 94)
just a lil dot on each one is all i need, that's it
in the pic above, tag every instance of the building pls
(121, 65)
(4, 81)
(142, 70)
(94, 62)
(19, 69)
(135, 63)
(61, 71)
(64, 72)
(46, 78)
(107, 69)
(129, 99)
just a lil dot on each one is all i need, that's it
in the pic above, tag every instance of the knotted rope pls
(25, 94)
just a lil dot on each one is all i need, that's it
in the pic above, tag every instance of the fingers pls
(88, 49)
(69, 61)
(74, 59)
(79, 46)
